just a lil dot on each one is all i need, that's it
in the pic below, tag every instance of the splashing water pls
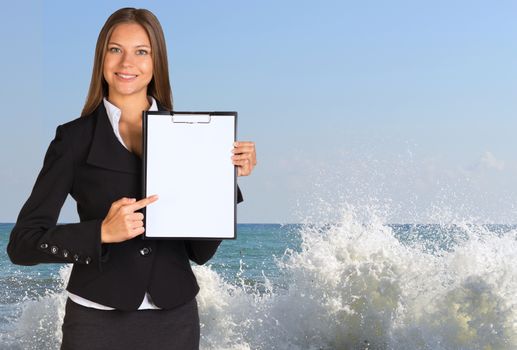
(39, 324)
(353, 285)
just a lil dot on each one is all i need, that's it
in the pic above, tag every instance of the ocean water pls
(354, 284)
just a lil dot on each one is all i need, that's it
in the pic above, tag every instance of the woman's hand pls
(121, 222)
(244, 157)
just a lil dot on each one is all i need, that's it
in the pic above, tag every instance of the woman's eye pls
(142, 52)
(114, 49)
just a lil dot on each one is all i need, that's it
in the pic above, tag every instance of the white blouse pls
(114, 114)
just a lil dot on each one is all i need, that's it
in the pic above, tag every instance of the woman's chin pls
(127, 92)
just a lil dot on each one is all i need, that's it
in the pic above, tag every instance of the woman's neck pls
(131, 107)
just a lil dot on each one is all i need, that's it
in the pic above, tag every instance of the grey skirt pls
(93, 329)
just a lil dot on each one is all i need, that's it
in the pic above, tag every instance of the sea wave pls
(354, 285)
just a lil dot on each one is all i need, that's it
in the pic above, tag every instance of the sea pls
(357, 283)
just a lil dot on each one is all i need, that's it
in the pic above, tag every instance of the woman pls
(124, 292)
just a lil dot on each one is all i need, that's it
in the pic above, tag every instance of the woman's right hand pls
(121, 222)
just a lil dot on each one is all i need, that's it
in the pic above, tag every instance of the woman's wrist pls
(103, 232)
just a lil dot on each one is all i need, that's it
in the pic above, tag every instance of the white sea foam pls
(353, 285)
(39, 324)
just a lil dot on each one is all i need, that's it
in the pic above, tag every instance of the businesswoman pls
(124, 292)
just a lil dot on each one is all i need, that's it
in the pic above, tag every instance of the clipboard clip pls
(191, 118)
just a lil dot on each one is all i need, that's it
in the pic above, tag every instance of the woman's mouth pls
(126, 77)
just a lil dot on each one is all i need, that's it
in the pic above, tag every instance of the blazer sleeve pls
(36, 238)
(202, 251)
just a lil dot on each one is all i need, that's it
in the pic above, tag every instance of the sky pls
(406, 108)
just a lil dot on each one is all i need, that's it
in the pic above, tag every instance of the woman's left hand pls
(244, 157)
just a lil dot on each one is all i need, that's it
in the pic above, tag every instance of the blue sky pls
(405, 105)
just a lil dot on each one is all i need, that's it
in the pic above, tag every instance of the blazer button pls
(87, 260)
(54, 249)
(65, 253)
(145, 251)
(76, 257)
(43, 246)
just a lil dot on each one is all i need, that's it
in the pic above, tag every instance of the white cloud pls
(488, 160)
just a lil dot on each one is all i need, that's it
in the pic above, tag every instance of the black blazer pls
(86, 160)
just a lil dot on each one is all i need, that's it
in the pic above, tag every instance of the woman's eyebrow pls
(142, 45)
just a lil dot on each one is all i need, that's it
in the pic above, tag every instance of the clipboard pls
(186, 160)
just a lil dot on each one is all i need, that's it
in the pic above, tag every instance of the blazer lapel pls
(106, 151)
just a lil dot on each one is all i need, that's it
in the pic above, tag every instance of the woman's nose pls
(127, 60)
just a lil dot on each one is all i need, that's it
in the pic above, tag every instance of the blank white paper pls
(189, 166)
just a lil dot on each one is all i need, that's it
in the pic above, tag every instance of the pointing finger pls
(142, 203)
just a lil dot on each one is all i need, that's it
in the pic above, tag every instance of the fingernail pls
(132, 199)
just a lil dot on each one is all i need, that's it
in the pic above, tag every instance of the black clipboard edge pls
(144, 174)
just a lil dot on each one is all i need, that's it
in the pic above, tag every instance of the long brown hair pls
(159, 87)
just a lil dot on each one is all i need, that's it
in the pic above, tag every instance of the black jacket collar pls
(106, 151)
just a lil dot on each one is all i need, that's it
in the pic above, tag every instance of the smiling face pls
(128, 65)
